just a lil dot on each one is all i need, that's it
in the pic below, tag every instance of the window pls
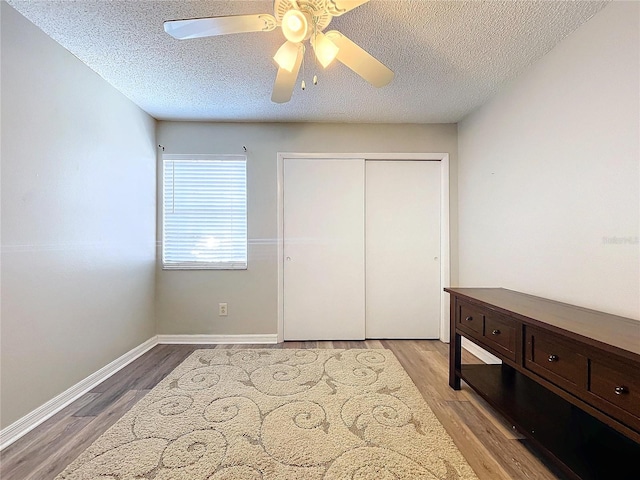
(204, 219)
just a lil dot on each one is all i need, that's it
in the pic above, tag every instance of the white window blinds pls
(204, 212)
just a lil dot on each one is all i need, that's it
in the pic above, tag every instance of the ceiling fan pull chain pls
(315, 57)
(303, 85)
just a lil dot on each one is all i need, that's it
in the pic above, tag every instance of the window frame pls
(194, 265)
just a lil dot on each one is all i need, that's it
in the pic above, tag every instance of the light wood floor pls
(490, 446)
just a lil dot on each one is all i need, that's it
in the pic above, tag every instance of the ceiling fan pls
(300, 20)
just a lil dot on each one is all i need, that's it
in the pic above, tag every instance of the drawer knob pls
(553, 358)
(621, 390)
(495, 332)
(468, 319)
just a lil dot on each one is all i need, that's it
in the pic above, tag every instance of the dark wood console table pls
(569, 379)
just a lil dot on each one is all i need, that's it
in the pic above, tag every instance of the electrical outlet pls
(222, 309)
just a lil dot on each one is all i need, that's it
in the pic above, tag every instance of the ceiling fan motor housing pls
(315, 12)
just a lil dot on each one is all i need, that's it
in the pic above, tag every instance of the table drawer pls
(617, 384)
(471, 318)
(501, 335)
(555, 359)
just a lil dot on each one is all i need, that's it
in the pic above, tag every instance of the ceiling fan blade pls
(212, 26)
(286, 81)
(361, 62)
(339, 7)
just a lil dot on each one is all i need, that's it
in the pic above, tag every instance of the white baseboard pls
(218, 339)
(481, 353)
(24, 425)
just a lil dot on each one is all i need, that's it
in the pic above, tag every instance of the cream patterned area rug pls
(277, 414)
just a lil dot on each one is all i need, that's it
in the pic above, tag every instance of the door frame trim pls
(445, 249)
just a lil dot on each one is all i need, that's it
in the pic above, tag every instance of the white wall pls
(78, 220)
(187, 300)
(549, 173)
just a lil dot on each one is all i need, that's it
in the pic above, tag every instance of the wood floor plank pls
(61, 445)
(151, 370)
(373, 344)
(520, 464)
(137, 368)
(47, 432)
(484, 438)
(491, 415)
(33, 440)
(33, 459)
(423, 368)
(487, 464)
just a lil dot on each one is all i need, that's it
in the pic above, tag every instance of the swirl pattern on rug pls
(270, 414)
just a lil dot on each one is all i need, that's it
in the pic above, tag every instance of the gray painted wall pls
(78, 220)
(187, 301)
(550, 173)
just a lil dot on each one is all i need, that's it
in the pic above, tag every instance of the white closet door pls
(324, 282)
(403, 249)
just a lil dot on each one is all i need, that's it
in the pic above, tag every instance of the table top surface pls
(604, 328)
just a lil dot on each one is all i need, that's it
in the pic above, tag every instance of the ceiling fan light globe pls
(326, 50)
(287, 55)
(295, 26)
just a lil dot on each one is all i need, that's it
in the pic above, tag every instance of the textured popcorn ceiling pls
(449, 56)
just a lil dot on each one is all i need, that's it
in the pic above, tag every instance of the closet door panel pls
(324, 269)
(402, 249)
